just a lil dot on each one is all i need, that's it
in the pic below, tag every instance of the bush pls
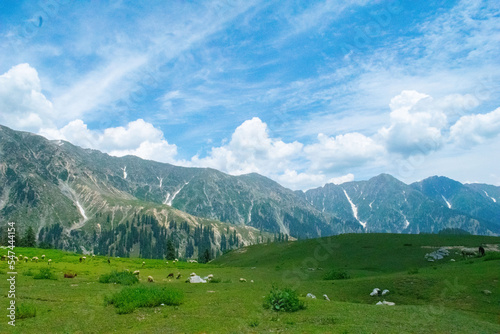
(285, 300)
(122, 277)
(412, 271)
(29, 272)
(24, 311)
(45, 273)
(336, 274)
(130, 298)
(215, 280)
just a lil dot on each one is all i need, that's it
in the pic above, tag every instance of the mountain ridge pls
(45, 182)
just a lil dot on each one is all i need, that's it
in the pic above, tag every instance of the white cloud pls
(416, 124)
(342, 152)
(293, 180)
(342, 179)
(23, 106)
(251, 150)
(476, 129)
(138, 138)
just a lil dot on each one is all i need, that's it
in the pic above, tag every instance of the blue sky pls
(304, 92)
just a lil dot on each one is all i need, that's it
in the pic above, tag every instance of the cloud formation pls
(22, 104)
(137, 138)
(473, 130)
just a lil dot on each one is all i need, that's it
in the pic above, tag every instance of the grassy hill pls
(433, 297)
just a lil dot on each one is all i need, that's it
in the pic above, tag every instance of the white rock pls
(310, 295)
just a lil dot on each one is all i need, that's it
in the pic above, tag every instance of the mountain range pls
(90, 195)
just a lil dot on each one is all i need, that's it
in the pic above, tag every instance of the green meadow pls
(443, 296)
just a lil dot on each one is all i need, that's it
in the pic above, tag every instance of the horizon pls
(305, 94)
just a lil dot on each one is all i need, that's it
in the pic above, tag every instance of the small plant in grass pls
(215, 280)
(45, 273)
(412, 271)
(24, 311)
(336, 274)
(130, 298)
(285, 300)
(254, 323)
(122, 277)
(29, 272)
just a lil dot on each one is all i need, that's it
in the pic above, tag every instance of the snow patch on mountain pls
(170, 197)
(82, 211)
(493, 199)
(124, 169)
(447, 203)
(354, 209)
(407, 223)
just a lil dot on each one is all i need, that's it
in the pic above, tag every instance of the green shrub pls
(412, 271)
(24, 311)
(336, 274)
(253, 323)
(130, 298)
(122, 277)
(215, 280)
(28, 272)
(285, 300)
(45, 273)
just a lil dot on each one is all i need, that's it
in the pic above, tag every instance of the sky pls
(303, 92)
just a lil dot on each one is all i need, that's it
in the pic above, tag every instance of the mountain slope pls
(46, 182)
(472, 199)
(79, 198)
(385, 204)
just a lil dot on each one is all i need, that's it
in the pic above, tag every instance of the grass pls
(122, 277)
(447, 299)
(131, 298)
(24, 311)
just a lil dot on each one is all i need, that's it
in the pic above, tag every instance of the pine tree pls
(171, 253)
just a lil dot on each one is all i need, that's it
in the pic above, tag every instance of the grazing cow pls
(467, 252)
(150, 279)
(178, 276)
(170, 275)
(481, 251)
(81, 259)
(136, 272)
(49, 262)
(70, 275)
(242, 280)
(109, 262)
